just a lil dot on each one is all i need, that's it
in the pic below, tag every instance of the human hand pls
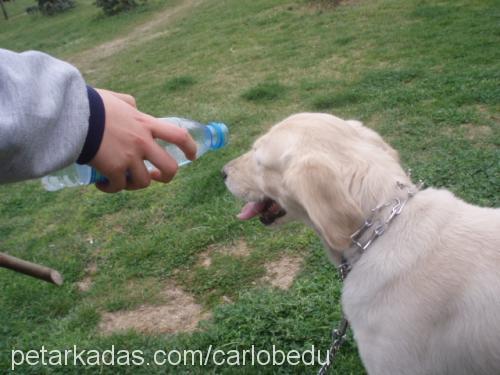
(129, 139)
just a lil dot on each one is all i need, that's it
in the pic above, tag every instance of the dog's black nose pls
(223, 174)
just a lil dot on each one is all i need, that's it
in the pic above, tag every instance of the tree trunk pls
(4, 11)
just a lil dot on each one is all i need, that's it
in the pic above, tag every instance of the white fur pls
(425, 297)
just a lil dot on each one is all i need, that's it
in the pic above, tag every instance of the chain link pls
(381, 226)
(338, 338)
(339, 334)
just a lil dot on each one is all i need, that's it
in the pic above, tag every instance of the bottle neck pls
(218, 135)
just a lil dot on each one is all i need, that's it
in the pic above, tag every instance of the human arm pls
(49, 119)
(44, 115)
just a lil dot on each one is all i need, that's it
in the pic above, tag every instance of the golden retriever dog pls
(424, 297)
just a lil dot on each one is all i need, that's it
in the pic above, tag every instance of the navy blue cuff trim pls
(97, 119)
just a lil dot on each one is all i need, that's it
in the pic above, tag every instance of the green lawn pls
(425, 74)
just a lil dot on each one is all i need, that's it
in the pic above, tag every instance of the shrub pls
(51, 7)
(110, 7)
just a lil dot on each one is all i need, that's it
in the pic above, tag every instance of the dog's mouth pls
(267, 209)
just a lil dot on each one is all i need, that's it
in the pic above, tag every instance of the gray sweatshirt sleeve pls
(44, 115)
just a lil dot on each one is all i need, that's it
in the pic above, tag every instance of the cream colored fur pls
(425, 297)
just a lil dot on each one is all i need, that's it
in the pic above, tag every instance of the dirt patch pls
(486, 112)
(180, 313)
(238, 249)
(471, 132)
(475, 132)
(155, 27)
(282, 272)
(226, 299)
(85, 284)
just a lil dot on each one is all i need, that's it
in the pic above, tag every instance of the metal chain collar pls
(381, 226)
(339, 334)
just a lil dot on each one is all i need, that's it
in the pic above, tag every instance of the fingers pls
(138, 177)
(173, 134)
(165, 164)
(129, 139)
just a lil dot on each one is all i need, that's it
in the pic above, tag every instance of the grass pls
(70, 32)
(265, 91)
(179, 83)
(424, 74)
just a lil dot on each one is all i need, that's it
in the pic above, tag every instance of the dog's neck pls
(378, 220)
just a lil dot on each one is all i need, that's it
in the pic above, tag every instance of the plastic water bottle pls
(207, 137)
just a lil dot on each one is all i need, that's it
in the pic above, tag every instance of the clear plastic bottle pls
(207, 137)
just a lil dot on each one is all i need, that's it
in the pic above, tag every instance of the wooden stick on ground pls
(31, 269)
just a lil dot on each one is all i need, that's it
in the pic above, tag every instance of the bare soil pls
(179, 313)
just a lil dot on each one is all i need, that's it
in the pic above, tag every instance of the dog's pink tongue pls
(250, 210)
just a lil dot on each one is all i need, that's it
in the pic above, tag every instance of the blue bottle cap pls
(220, 135)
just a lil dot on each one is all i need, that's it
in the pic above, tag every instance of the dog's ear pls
(320, 190)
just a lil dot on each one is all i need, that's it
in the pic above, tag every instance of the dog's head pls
(315, 168)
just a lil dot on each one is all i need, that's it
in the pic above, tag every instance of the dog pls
(424, 295)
